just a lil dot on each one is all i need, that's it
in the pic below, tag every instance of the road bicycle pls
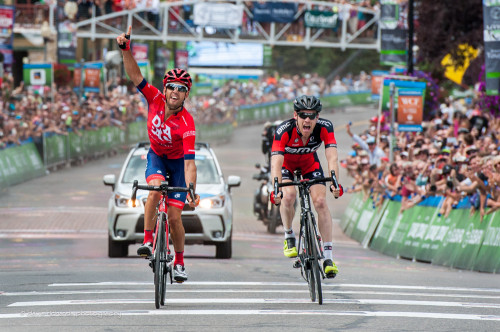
(161, 260)
(309, 248)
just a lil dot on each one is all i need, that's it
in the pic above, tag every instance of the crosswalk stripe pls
(180, 313)
(257, 301)
(257, 283)
(236, 291)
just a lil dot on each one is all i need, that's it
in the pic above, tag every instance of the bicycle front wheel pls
(308, 266)
(159, 265)
(163, 260)
(314, 259)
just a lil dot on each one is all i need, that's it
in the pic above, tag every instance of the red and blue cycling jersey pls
(172, 138)
(288, 142)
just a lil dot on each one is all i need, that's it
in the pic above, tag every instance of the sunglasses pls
(179, 87)
(305, 115)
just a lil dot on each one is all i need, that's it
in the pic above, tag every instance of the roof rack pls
(197, 145)
(141, 144)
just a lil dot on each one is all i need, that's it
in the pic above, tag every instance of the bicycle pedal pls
(179, 281)
(296, 264)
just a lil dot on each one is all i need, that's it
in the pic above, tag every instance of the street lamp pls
(46, 34)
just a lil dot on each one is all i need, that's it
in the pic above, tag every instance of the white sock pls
(328, 250)
(289, 233)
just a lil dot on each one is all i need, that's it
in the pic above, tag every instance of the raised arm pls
(129, 63)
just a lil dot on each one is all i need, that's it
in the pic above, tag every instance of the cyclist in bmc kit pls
(294, 147)
(171, 132)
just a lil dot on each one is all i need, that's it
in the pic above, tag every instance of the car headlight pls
(125, 201)
(212, 202)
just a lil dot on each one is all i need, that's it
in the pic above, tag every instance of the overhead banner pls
(491, 20)
(219, 15)
(393, 47)
(92, 76)
(393, 34)
(66, 43)
(389, 14)
(6, 34)
(320, 19)
(399, 86)
(377, 79)
(282, 12)
(39, 74)
(410, 109)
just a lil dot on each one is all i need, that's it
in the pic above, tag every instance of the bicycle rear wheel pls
(314, 260)
(159, 265)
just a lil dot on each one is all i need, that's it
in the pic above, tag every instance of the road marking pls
(245, 291)
(180, 313)
(258, 283)
(257, 301)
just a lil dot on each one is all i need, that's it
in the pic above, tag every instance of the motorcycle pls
(262, 207)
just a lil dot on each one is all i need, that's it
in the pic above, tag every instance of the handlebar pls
(304, 182)
(163, 187)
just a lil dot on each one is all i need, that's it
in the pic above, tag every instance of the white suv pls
(210, 223)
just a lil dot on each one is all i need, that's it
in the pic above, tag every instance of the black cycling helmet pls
(307, 103)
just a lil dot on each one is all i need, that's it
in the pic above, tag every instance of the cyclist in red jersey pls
(172, 133)
(294, 147)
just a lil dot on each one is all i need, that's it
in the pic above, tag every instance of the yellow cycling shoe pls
(330, 268)
(289, 249)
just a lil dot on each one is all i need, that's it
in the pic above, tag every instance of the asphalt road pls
(55, 273)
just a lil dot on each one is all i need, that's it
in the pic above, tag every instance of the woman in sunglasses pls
(294, 147)
(171, 132)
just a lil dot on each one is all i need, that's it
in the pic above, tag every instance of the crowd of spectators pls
(25, 113)
(456, 156)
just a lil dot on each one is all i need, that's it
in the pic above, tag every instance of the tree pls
(444, 25)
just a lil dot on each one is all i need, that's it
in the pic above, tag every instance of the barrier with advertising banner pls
(19, 164)
(420, 233)
(275, 110)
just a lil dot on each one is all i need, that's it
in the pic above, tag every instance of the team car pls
(210, 223)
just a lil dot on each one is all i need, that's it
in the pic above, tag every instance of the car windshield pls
(206, 170)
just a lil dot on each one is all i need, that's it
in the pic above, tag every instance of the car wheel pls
(224, 250)
(117, 249)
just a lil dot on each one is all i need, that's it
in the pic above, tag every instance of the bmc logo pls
(325, 123)
(282, 128)
(303, 150)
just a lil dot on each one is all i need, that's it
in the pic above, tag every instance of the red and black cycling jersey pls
(288, 142)
(173, 138)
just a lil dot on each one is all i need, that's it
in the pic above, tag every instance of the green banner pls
(451, 243)
(488, 257)
(273, 111)
(363, 206)
(19, 164)
(384, 236)
(474, 231)
(37, 74)
(214, 132)
(56, 149)
(373, 224)
(360, 228)
(420, 219)
(351, 213)
(320, 19)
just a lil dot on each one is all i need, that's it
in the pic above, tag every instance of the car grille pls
(192, 224)
(139, 227)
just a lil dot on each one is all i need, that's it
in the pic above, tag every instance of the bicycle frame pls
(161, 260)
(310, 249)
